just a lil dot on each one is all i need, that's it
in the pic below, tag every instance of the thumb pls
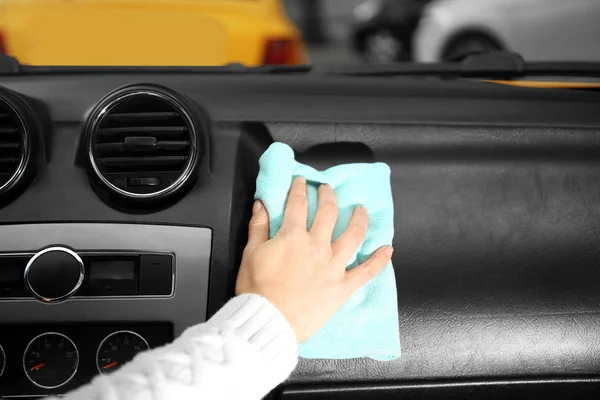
(258, 230)
(359, 276)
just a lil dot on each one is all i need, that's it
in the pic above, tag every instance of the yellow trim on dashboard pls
(549, 84)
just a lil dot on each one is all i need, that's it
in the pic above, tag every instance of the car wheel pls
(381, 47)
(466, 45)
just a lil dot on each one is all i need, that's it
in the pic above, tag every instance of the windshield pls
(293, 32)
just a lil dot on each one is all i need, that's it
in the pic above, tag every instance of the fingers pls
(326, 215)
(347, 244)
(359, 276)
(296, 208)
(258, 229)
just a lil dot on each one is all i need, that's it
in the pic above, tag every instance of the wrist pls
(256, 320)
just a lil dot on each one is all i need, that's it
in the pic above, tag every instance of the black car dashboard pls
(124, 201)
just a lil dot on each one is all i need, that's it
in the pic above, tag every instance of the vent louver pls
(14, 146)
(143, 144)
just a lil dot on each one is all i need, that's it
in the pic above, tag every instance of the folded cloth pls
(367, 324)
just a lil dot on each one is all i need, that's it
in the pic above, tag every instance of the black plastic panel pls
(315, 98)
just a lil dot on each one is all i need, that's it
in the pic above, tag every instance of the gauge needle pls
(36, 367)
(112, 364)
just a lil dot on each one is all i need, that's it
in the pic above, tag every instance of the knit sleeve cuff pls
(256, 320)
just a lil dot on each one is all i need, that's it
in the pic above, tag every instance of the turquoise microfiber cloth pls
(367, 324)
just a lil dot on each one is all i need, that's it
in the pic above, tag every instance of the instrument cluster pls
(54, 361)
(51, 359)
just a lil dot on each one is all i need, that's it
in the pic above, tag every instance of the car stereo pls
(56, 273)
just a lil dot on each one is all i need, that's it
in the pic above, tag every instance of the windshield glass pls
(293, 32)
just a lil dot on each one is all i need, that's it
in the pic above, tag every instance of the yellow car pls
(149, 32)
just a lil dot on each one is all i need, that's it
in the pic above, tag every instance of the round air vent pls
(18, 128)
(145, 143)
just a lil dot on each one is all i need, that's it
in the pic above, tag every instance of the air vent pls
(14, 146)
(144, 143)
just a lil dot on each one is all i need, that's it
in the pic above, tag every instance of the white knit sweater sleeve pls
(241, 353)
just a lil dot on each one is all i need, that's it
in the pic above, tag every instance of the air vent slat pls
(141, 161)
(8, 131)
(157, 130)
(147, 116)
(160, 145)
(10, 145)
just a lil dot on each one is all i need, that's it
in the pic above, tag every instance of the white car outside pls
(540, 30)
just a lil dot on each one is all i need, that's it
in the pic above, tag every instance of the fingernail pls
(388, 251)
(257, 206)
(363, 208)
(301, 179)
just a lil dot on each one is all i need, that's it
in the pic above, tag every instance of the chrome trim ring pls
(189, 167)
(2, 355)
(16, 176)
(61, 298)
(27, 348)
(108, 337)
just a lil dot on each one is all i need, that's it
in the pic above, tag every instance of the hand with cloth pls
(301, 272)
(287, 289)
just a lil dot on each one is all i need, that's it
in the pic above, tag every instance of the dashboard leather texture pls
(497, 217)
(497, 232)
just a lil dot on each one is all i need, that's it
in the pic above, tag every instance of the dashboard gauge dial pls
(117, 349)
(2, 360)
(50, 360)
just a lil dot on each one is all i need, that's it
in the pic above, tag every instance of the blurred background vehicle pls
(325, 27)
(383, 30)
(141, 32)
(257, 32)
(540, 30)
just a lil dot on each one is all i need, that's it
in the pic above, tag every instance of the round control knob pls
(54, 274)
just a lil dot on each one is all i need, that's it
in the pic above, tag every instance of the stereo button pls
(156, 274)
(54, 274)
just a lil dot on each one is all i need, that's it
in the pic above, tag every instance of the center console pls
(100, 293)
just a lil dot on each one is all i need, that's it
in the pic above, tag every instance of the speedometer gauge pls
(50, 360)
(117, 349)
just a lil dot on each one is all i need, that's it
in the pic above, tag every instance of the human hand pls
(301, 272)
